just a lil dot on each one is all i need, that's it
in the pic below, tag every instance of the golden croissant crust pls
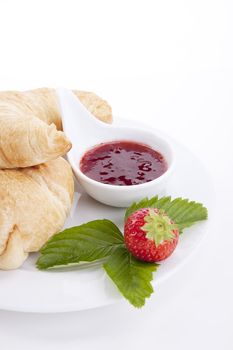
(38, 101)
(30, 125)
(35, 202)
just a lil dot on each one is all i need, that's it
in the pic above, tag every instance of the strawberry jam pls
(123, 163)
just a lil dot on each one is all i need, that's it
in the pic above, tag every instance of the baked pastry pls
(34, 205)
(30, 125)
(26, 140)
(43, 103)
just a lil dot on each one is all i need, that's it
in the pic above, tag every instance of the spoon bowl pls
(86, 131)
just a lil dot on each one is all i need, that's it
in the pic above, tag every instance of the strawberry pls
(150, 235)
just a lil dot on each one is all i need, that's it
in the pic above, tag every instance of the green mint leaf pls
(132, 277)
(88, 242)
(183, 212)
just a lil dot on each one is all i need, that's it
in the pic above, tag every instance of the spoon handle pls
(75, 116)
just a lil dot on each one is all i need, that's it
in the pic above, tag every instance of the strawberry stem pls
(158, 227)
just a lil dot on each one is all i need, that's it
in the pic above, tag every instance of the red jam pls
(123, 163)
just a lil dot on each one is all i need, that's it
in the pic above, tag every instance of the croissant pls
(34, 205)
(30, 125)
(38, 101)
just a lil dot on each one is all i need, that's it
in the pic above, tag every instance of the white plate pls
(30, 290)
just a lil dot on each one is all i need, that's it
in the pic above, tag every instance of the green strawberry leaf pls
(182, 211)
(101, 239)
(96, 240)
(132, 277)
(88, 242)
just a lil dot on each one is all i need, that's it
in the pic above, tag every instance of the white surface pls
(85, 131)
(89, 287)
(168, 63)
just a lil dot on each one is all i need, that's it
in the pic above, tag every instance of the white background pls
(168, 63)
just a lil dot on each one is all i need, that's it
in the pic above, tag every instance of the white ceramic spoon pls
(86, 131)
